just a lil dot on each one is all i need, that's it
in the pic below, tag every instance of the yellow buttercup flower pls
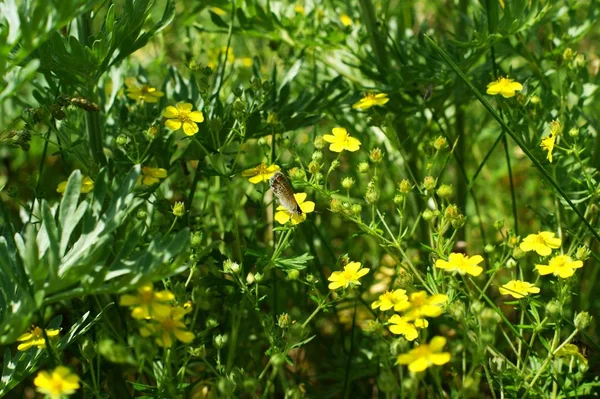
(543, 243)
(345, 20)
(341, 140)
(397, 299)
(402, 326)
(353, 271)
(283, 215)
(547, 144)
(260, 173)
(148, 303)
(461, 263)
(87, 185)
(60, 381)
(562, 266)
(571, 350)
(518, 289)
(504, 86)
(423, 306)
(426, 355)
(151, 176)
(144, 93)
(182, 116)
(170, 328)
(299, 9)
(371, 100)
(35, 337)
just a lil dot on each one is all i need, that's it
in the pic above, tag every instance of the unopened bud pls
(582, 320)
(141, 214)
(574, 132)
(363, 167)
(284, 321)
(356, 209)
(445, 191)
(499, 224)
(440, 143)
(317, 156)
(293, 274)
(314, 167)
(347, 183)
(582, 253)
(554, 309)
(405, 187)
(121, 140)
(179, 209)
(376, 155)
(429, 183)
(319, 143)
(220, 341)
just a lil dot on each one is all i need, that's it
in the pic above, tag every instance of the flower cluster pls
(162, 319)
(543, 243)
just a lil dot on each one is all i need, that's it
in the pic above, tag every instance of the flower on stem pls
(87, 185)
(151, 176)
(35, 337)
(170, 328)
(562, 266)
(547, 144)
(423, 306)
(340, 140)
(371, 100)
(504, 86)
(462, 264)
(518, 289)
(182, 116)
(260, 173)
(283, 215)
(425, 355)
(144, 93)
(401, 326)
(346, 20)
(148, 303)
(178, 209)
(353, 271)
(60, 381)
(543, 243)
(397, 299)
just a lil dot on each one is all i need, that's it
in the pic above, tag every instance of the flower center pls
(147, 297)
(37, 333)
(184, 116)
(57, 386)
(261, 169)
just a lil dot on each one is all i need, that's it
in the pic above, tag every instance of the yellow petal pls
(173, 124)
(196, 116)
(418, 365)
(190, 128)
(170, 112)
(257, 179)
(282, 217)
(184, 107)
(300, 197)
(307, 207)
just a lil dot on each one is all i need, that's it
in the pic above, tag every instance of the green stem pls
(349, 363)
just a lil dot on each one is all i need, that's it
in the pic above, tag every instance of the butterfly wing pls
(285, 194)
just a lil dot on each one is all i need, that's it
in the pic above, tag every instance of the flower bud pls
(266, 85)
(220, 341)
(284, 321)
(457, 310)
(317, 156)
(363, 167)
(579, 61)
(238, 91)
(196, 239)
(459, 221)
(556, 127)
(451, 212)
(518, 253)
(152, 132)
(215, 125)
(511, 263)
(574, 132)
(211, 323)
(314, 167)
(239, 106)
(347, 183)
(554, 309)
(334, 164)
(121, 140)
(335, 205)
(200, 351)
(141, 214)
(258, 277)
(293, 274)
(372, 195)
(582, 320)
(297, 174)
(429, 183)
(477, 307)
(398, 199)
(356, 209)
(440, 143)
(445, 191)
(272, 118)
(513, 241)
(568, 54)
(582, 253)
(499, 224)
(428, 214)
(535, 99)
(489, 248)
(179, 209)
(230, 267)
(404, 186)
(376, 155)
(318, 176)
(319, 143)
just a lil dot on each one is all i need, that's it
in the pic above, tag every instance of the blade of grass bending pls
(512, 134)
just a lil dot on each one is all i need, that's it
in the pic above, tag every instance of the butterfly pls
(285, 194)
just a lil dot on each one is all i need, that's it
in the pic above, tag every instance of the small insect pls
(283, 191)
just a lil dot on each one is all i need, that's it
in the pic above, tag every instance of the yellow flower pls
(547, 144)
(151, 176)
(144, 93)
(371, 100)
(57, 383)
(426, 355)
(283, 215)
(345, 20)
(543, 243)
(571, 350)
(148, 304)
(179, 209)
(423, 306)
(182, 115)
(246, 62)
(561, 265)
(518, 289)
(461, 263)
(169, 328)
(402, 326)
(299, 9)
(341, 140)
(35, 337)
(396, 299)
(352, 272)
(260, 173)
(504, 86)
(87, 185)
